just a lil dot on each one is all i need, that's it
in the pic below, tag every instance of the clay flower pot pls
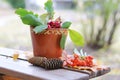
(47, 43)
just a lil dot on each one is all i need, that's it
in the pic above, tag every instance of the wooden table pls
(25, 71)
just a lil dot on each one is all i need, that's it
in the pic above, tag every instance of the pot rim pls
(56, 31)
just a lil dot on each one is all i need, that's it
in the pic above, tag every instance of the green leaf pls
(62, 41)
(66, 24)
(24, 12)
(44, 18)
(40, 28)
(76, 38)
(32, 20)
(49, 8)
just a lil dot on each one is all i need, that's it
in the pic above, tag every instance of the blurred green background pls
(97, 20)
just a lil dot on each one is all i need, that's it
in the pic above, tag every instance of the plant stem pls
(98, 37)
(92, 30)
(113, 29)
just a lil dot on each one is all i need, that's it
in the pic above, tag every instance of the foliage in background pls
(106, 12)
(17, 3)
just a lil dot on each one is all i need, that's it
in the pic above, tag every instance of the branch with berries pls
(78, 59)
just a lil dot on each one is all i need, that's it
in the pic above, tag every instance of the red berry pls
(89, 57)
(76, 56)
(49, 26)
(54, 24)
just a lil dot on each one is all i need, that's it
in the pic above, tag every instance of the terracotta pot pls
(47, 43)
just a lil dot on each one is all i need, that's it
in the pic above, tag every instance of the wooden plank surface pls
(24, 70)
(10, 52)
(92, 74)
(9, 65)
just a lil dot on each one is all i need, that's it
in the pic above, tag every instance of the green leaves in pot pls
(32, 20)
(62, 41)
(28, 17)
(23, 12)
(66, 24)
(49, 8)
(38, 22)
(40, 28)
(76, 37)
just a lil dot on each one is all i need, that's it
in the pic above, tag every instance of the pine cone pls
(53, 63)
(38, 61)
